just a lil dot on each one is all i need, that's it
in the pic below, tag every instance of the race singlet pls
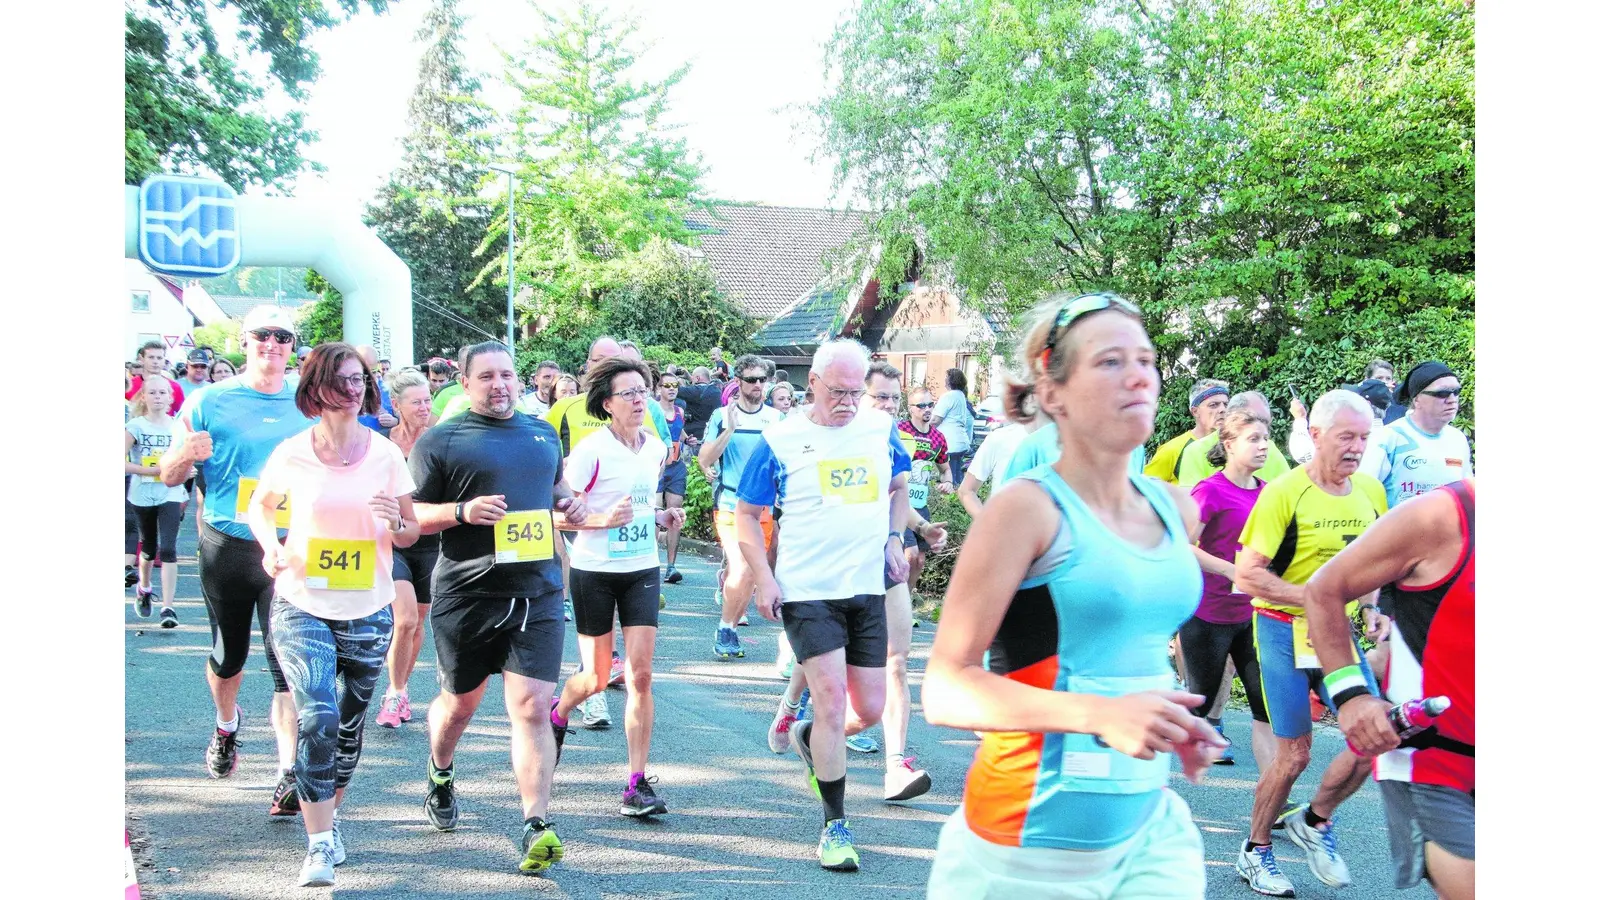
(524, 536)
(848, 480)
(339, 565)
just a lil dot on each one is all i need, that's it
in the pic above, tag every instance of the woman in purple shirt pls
(1221, 627)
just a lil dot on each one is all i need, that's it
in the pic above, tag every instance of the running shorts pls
(1419, 813)
(728, 533)
(416, 567)
(674, 479)
(857, 624)
(1287, 690)
(633, 598)
(475, 637)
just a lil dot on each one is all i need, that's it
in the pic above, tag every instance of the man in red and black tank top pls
(1425, 551)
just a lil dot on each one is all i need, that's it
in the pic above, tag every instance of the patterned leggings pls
(332, 666)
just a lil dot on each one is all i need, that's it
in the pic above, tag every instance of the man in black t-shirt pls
(487, 481)
(700, 399)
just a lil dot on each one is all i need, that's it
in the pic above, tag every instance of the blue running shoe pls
(727, 644)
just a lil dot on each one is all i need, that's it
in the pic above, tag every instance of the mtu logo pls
(188, 226)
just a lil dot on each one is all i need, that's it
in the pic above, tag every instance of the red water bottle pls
(1413, 717)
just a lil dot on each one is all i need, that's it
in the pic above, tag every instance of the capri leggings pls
(331, 666)
(235, 588)
(158, 530)
(1206, 648)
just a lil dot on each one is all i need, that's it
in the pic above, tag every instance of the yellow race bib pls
(524, 536)
(847, 480)
(151, 460)
(339, 565)
(247, 487)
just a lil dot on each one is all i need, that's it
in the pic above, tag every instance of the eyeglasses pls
(923, 405)
(753, 379)
(632, 394)
(353, 380)
(1442, 393)
(841, 393)
(888, 398)
(1077, 308)
(277, 334)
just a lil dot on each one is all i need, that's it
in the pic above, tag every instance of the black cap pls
(200, 355)
(1374, 392)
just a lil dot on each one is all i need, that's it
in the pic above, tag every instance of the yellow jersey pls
(1299, 526)
(1164, 463)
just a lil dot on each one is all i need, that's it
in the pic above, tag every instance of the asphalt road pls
(742, 822)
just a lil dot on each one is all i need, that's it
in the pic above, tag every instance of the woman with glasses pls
(221, 370)
(616, 572)
(413, 565)
(1077, 573)
(351, 506)
(675, 477)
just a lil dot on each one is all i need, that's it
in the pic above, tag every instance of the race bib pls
(241, 503)
(1304, 656)
(151, 460)
(524, 536)
(339, 565)
(637, 538)
(848, 480)
(919, 495)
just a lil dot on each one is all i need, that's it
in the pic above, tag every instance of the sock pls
(727, 624)
(832, 799)
(320, 837)
(1251, 845)
(1313, 819)
(229, 726)
(557, 718)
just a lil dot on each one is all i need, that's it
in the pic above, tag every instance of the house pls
(159, 309)
(781, 264)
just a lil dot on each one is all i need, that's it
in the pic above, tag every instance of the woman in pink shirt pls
(349, 499)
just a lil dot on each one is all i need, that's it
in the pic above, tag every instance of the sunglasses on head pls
(1442, 393)
(277, 334)
(1076, 309)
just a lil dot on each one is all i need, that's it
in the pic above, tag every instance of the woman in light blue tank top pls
(1075, 576)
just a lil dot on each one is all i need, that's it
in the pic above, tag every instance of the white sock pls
(321, 837)
(727, 624)
(229, 726)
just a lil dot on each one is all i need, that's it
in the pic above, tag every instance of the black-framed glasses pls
(276, 334)
(753, 379)
(354, 381)
(1442, 393)
(1077, 308)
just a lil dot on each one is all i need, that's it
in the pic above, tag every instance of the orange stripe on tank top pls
(1005, 772)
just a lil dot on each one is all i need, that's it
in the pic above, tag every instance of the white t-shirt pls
(1411, 461)
(608, 473)
(332, 530)
(956, 424)
(151, 440)
(994, 454)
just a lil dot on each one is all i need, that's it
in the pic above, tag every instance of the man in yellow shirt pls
(1193, 467)
(1302, 520)
(1208, 402)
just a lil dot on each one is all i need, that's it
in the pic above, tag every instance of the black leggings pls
(158, 530)
(235, 587)
(1206, 648)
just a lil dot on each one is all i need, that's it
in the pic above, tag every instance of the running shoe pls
(560, 728)
(541, 848)
(405, 706)
(860, 743)
(596, 712)
(1259, 869)
(673, 575)
(130, 577)
(727, 645)
(317, 870)
(619, 675)
(169, 617)
(1322, 851)
(440, 804)
(778, 731)
(663, 603)
(338, 841)
(716, 597)
(837, 849)
(222, 754)
(566, 609)
(785, 657)
(142, 600)
(744, 619)
(800, 740)
(902, 780)
(389, 711)
(1289, 808)
(285, 797)
(639, 798)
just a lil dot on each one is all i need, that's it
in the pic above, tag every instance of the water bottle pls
(1413, 717)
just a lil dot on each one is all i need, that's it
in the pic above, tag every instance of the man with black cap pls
(1208, 403)
(198, 372)
(1375, 391)
(1421, 450)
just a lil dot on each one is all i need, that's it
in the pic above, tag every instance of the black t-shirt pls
(699, 402)
(469, 456)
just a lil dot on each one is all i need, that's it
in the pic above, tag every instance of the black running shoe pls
(285, 799)
(640, 799)
(440, 805)
(130, 577)
(222, 754)
(169, 617)
(142, 601)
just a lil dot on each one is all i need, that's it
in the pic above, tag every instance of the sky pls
(748, 62)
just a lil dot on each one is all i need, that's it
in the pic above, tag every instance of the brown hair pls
(1020, 402)
(1233, 425)
(319, 380)
(600, 378)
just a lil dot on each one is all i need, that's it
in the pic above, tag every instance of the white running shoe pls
(317, 870)
(1259, 869)
(596, 712)
(778, 732)
(902, 780)
(338, 841)
(1322, 852)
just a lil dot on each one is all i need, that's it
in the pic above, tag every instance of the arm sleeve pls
(713, 426)
(941, 447)
(1204, 498)
(1269, 521)
(899, 459)
(758, 485)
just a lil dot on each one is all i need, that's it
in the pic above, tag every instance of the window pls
(968, 364)
(916, 371)
(141, 301)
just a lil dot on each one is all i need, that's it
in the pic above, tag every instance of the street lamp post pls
(511, 245)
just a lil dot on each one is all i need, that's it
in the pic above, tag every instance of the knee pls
(405, 621)
(870, 712)
(169, 556)
(896, 667)
(1295, 755)
(319, 723)
(828, 695)
(640, 679)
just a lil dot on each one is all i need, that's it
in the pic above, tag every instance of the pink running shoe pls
(405, 707)
(389, 711)
(618, 676)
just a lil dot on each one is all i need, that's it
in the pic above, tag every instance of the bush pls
(698, 523)
(936, 571)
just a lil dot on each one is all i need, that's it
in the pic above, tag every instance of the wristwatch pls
(460, 508)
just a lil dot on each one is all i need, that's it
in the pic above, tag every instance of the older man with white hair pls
(840, 473)
(1302, 520)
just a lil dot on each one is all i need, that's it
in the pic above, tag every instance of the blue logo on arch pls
(188, 226)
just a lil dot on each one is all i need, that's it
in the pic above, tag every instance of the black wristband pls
(460, 507)
(1348, 694)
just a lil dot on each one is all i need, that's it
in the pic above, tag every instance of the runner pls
(1219, 641)
(1194, 464)
(197, 371)
(153, 361)
(1077, 574)
(781, 398)
(544, 389)
(1208, 402)
(566, 386)
(228, 434)
(616, 571)
(953, 417)
(675, 476)
(439, 377)
(1422, 450)
(331, 619)
(731, 436)
(992, 459)
(1299, 522)
(157, 507)
(930, 469)
(1426, 551)
(384, 418)
(413, 565)
(488, 481)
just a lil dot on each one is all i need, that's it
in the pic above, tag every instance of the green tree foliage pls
(191, 104)
(322, 321)
(430, 212)
(223, 337)
(259, 281)
(667, 299)
(1286, 186)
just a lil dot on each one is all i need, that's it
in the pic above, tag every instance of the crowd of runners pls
(1100, 610)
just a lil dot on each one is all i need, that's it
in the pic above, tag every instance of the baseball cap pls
(199, 355)
(269, 317)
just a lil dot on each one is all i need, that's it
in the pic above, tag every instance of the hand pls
(1199, 752)
(1377, 625)
(1365, 723)
(946, 487)
(895, 555)
(1297, 409)
(730, 416)
(386, 420)
(485, 510)
(936, 536)
(275, 559)
(1144, 724)
(197, 446)
(674, 516)
(574, 509)
(769, 597)
(387, 508)
(621, 514)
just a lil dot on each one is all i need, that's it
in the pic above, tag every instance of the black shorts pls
(416, 567)
(858, 624)
(475, 637)
(634, 598)
(674, 479)
(910, 537)
(1418, 813)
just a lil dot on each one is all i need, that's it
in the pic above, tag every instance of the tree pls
(430, 212)
(191, 105)
(322, 321)
(669, 300)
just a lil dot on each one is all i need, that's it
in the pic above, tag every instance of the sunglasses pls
(753, 379)
(923, 405)
(1442, 393)
(669, 384)
(1076, 309)
(277, 334)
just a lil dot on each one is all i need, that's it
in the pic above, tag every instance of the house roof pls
(767, 257)
(809, 322)
(237, 307)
